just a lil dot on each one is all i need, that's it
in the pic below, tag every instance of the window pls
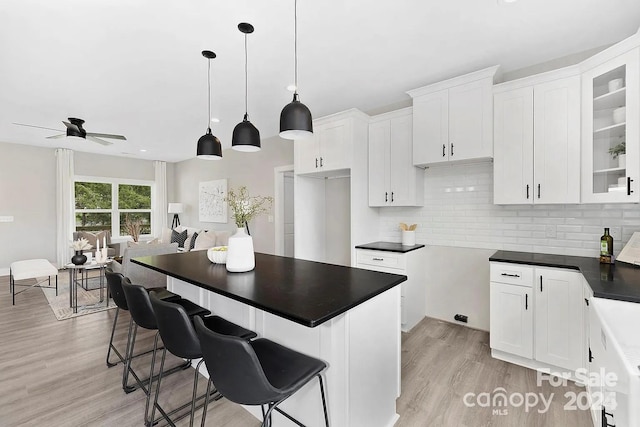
(105, 204)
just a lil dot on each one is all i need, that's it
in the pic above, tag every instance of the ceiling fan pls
(74, 128)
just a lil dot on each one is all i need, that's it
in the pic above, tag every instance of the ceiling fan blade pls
(98, 140)
(39, 127)
(71, 126)
(107, 135)
(62, 135)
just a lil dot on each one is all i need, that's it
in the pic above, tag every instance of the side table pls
(83, 270)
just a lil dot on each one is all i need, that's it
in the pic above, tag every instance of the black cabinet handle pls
(316, 162)
(540, 283)
(629, 190)
(526, 301)
(527, 191)
(444, 147)
(590, 355)
(320, 161)
(392, 196)
(538, 187)
(451, 149)
(509, 275)
(386, 199)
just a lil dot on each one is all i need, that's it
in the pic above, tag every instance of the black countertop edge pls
(389, 247)
(296, 319)
(619, 281)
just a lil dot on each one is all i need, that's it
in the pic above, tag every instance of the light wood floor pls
(52, 373)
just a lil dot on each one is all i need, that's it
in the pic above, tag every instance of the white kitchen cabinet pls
(453, 120)
(558, 324)
(537, 141)
(393, 179)
(536, 316)
(511, 310)
(328, 151)
(612, 84)
(413, 290)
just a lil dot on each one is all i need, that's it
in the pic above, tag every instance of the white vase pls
(408, 238)
(240, 255)
(622, 161)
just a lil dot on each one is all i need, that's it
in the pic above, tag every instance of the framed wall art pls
(212, 206)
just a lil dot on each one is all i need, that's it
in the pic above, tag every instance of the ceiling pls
(135, 68)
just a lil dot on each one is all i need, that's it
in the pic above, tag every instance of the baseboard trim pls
(4, 271)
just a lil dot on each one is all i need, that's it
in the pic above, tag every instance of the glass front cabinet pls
(610, 130)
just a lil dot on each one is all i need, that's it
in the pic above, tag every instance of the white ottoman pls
(31, 269)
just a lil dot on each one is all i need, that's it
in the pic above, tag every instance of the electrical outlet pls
(270, 218)
(551, 231)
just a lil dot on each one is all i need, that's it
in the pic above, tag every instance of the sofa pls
(138, 274)
(194, 239)
(113, 249)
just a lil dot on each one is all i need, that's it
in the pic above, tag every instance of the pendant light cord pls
(295, 42)
(246, 80)
(209, 88)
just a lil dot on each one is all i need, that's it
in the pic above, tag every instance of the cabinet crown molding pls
(547, 76)
(352, 113)
(391, 114)
(611, 52)
(485, 73)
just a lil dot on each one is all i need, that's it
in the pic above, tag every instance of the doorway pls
(284, 212)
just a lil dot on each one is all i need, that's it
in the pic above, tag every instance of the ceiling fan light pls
(295, 120)
(246, 137)
(209, 147)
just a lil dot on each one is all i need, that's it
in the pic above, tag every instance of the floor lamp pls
(175, 209)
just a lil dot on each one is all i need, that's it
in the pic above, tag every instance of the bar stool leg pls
(149, 421)
(113, 331)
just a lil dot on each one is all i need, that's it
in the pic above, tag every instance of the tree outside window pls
(106, 205)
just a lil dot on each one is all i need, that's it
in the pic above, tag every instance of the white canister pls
(622, 161)
(408, 238)
(615, 84)
(619, 115)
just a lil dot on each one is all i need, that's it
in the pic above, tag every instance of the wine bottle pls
(606, 247)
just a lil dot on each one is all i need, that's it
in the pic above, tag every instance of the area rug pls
(88, 301)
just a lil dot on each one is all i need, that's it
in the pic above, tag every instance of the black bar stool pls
(259, 372)
(114, 289)
(179, 337)
(143, 315)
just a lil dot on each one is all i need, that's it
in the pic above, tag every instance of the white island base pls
(361, 347)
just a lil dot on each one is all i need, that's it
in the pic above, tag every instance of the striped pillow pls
(192, 241)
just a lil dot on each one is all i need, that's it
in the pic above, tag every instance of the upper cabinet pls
(537, 140)
(610, 127)
(393, 180)
(330, 150)
(452, 120)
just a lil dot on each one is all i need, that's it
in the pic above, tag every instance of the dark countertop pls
(389, 247)
(305, 292)
(619, 281)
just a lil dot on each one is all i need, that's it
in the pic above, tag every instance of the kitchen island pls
(348, 317)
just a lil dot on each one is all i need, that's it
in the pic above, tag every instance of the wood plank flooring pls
(53, 373)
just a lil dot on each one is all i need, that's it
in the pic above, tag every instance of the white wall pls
(459, 212)
(27, 192)
(255, 170)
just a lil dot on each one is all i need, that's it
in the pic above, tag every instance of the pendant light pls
(246, 136)
(209, 146)
(295, 118)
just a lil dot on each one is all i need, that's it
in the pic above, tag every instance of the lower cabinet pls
(413, 290)
(537, 316)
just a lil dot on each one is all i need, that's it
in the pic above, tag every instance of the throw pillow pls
(178, 238)
(192, 241)
(205, 240)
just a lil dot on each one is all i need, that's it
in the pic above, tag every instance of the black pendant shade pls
(295, 120)
(246, 137)
(209, 147)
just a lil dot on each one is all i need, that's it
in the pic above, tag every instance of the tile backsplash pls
(459, 211)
